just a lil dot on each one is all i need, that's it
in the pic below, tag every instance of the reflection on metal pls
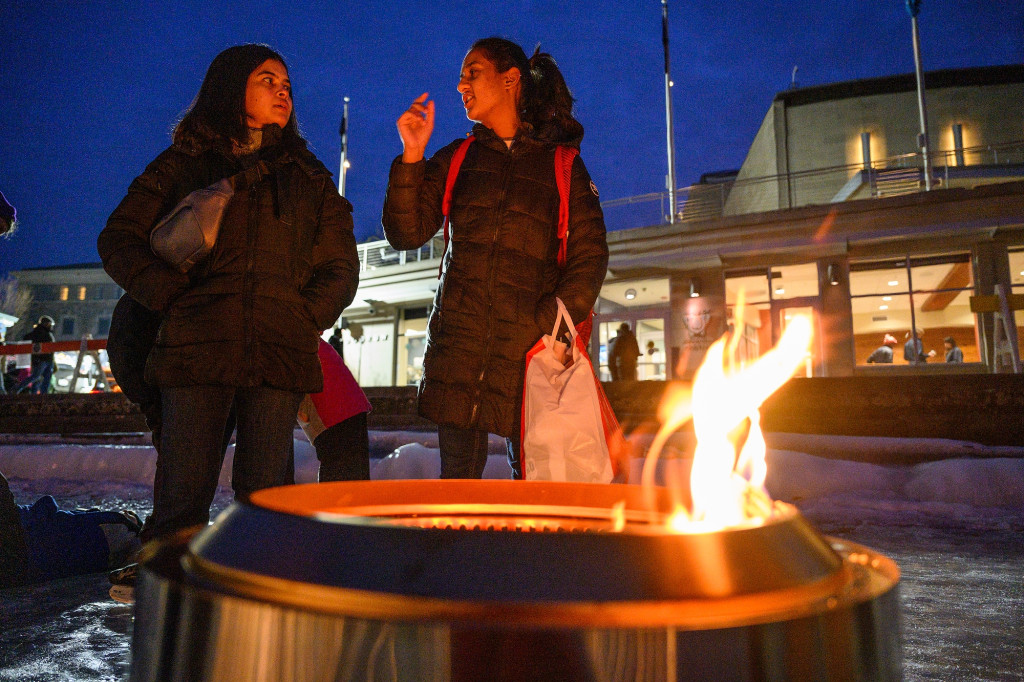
(502, 580)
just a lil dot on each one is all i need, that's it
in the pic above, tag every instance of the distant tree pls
(14, 300)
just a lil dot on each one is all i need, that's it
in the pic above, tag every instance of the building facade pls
(826, 217)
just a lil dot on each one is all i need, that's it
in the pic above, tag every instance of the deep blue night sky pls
(91, 90)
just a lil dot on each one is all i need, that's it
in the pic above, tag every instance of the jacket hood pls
(272, 150)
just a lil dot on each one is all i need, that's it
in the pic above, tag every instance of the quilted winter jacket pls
(282, 270)
(496, 296)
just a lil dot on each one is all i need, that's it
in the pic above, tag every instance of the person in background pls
(654, 357)
(623, 354)
(913, 349)
(883, 354)
(500, 275)
(240, 330)
(334, 421)
(337, 342)
(42, 363)
(953, 352)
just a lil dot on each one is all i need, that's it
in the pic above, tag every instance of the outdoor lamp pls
(833, 274)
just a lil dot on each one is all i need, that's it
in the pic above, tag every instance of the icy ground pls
(954, 526)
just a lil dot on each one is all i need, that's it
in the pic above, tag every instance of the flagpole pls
(343, 131)
(913, 8)
(668, 118)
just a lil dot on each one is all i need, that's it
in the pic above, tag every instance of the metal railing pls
(891, 176)
(900, 174)
(379, 254)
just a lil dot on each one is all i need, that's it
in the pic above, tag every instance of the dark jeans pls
(464, 452)
(39, 380)
(191, 449)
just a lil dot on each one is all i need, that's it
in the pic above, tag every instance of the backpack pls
(564, 157)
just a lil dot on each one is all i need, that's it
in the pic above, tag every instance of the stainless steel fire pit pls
(503, 580)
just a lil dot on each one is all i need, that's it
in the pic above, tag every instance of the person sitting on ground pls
(883, 354)
(41, 542)
(953, 352)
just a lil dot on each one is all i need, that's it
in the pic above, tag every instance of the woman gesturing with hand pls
(415, 126)
(502, 272)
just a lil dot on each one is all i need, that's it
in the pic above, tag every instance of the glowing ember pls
(728, 472)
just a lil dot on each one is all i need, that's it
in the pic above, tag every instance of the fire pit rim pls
(865, 575)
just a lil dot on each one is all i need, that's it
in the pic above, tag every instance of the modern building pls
(827, 216)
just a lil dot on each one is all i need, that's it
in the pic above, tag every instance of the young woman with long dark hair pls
(501, 272)
(241, 327)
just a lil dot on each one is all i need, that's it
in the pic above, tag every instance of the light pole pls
(668, 118)
(343, 131)
(913, 8)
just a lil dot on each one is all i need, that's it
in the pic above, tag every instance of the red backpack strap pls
(564, 157)
(446, 202)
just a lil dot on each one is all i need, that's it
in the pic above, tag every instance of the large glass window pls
(771, 296)
(911, 307)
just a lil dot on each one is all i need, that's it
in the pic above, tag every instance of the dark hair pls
(950, 341)
(545, 102)
(217, 114)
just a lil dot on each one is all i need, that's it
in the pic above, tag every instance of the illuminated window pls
(81, 293)
(63, 294)
(784, 288)
(885, 307)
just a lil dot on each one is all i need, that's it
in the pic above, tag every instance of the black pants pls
(192, 449)
(464, 452)
(344, 451)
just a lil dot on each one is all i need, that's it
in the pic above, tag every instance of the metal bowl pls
(508, 580)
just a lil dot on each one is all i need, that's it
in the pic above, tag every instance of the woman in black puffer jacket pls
(500, 276)
(242, 326)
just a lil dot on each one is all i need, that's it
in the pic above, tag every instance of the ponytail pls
(545, 102)
(549, 110)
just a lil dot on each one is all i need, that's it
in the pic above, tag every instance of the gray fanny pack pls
(187, 234)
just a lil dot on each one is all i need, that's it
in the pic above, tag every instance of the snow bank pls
(981, 480)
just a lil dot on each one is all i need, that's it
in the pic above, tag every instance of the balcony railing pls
(378, 254)
(901, 174)
(697, 203)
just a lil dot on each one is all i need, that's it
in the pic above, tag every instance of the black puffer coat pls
(283, 269)
(496, 297)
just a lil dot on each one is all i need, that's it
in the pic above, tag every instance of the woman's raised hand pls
(415, 126)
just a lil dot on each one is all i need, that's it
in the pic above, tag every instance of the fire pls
(729, 470)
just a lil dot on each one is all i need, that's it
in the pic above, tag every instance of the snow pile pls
(982, 479)
(996, 482)
(417, 461)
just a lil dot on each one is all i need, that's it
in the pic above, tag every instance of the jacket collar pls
(524, 140)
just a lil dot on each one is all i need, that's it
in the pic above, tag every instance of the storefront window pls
(771, 296)
(890, 300)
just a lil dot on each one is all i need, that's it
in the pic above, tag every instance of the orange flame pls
(728, 472)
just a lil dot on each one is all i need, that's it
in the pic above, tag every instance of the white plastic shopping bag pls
(563, 437)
